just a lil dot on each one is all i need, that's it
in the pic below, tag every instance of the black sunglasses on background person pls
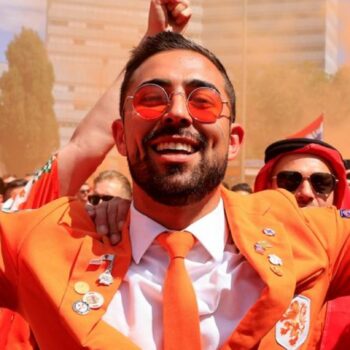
(322, 183)
(95, 199)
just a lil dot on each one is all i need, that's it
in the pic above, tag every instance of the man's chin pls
(178, 185)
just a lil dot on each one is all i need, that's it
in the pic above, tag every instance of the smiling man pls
(198, 266)
(178, 137)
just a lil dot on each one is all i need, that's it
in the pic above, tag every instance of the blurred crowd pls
(105, 186)
(111, 183)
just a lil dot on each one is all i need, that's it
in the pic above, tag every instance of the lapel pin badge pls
(261, 246)
(275, 260)
(94, 299)
(101, 259)
(276, 270)
(269, 232)
(81, 307)
(106, 278)
(81, 287)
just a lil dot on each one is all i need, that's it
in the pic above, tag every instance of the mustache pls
(169, 130)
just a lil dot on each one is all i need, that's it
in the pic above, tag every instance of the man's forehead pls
(177, 66)
(300, 161)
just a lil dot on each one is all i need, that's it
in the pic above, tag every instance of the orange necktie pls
(180, 311)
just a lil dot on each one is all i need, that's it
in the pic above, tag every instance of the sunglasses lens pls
(94, 199)
(323, 183)
(150, 101)
(289, 180)
(204, 104)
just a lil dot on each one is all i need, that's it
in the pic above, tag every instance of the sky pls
(17, 13)
(31, 13)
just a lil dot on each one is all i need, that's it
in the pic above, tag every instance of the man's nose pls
(177, 113)
(305, 189)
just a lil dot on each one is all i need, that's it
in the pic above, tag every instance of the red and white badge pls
(293, 328)
(94, 299)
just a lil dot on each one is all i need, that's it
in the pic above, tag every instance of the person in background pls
(314, 172)
(84, 192)
(67, 170)
(14, 188)
(242, 188)
(109, 184)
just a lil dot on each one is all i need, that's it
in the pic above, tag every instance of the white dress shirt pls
(225, 284)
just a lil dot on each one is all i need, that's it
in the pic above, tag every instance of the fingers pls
(168, 15)
(180, 13)
(101, 220)
(117, 213)
(109, 218)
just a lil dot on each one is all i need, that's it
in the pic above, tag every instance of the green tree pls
(28, 128)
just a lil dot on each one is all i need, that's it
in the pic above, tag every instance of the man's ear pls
(119, 136)
(236, 139)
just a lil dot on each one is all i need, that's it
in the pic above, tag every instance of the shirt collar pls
(210, 230)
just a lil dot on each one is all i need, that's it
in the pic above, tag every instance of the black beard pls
(166, 189)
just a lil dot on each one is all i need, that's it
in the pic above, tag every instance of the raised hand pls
(168, 15)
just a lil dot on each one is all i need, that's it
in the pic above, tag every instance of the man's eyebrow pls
(196, 83)
(160, 82)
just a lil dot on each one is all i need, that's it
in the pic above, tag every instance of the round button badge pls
(81, 307)
(81, 287)
(94, 299)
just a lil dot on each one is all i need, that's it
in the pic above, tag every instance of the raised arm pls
(92, 139)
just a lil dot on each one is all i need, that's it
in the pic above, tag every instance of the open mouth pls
(174, 147)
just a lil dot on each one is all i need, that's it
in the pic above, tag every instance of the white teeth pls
(172, 146)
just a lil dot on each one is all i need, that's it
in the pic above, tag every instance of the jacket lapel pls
(264, 243)
(87, 328)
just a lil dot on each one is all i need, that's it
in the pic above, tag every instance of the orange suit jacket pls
(45, 251)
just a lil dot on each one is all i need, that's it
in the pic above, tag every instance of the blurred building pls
(273, 31)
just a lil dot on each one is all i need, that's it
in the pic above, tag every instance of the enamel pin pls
(81, 307)
(275, 260)
(261, 246)
(269, 232)
(94, 299)
(106, 278)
